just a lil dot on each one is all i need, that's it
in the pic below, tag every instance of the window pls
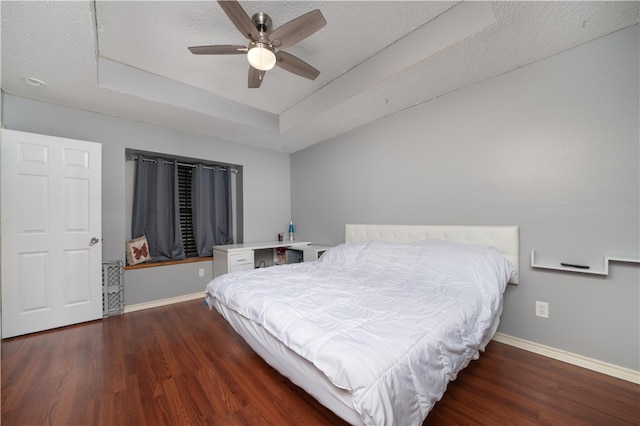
(183, 206)
(185, 210)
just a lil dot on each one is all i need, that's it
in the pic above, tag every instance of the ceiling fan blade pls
(222, 49)
(255, 77)
(296, 65)
(240, 19)
(297, 29)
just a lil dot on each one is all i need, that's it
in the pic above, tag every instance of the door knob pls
(94, 240)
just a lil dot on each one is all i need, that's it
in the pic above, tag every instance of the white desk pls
(237, 257)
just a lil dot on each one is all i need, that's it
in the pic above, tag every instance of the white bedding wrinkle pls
(391, 323)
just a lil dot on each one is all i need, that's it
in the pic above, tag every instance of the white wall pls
(266, 211)
(552, 147)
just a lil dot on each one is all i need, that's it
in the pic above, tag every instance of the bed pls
(378, 326)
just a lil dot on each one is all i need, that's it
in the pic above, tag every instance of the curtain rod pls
(222, 168)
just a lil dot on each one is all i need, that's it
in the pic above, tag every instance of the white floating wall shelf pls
(603, 271)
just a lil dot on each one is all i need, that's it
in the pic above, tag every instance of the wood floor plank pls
(224, 400)
(183, 364)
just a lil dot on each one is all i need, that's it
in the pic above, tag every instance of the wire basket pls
(112, 288)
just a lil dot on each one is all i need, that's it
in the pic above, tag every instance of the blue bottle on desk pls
(290, 231)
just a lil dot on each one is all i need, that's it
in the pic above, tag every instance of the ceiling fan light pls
(261, 56)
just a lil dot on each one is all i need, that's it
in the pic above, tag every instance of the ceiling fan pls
(263, 49)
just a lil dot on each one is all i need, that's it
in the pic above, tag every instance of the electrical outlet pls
(542, 309)
(201, 272)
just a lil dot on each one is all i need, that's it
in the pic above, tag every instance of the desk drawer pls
(240, 259)
(242, 267)
(225, 262)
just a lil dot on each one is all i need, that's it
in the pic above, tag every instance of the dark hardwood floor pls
(183, 364)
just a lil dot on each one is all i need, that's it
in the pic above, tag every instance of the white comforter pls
(391, 323)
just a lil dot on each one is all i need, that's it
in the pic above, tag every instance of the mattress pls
(291, 365)
(373, 330)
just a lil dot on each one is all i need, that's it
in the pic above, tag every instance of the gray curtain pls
(211, 208)
(155, 208)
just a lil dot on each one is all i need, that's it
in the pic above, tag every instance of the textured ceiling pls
(130, 59)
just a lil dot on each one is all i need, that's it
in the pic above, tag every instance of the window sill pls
(168, 262)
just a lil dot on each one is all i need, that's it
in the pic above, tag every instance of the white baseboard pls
(571, 358)
(163, 302)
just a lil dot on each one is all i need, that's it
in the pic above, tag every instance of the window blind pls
(184, 200)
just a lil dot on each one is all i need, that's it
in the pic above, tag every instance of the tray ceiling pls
(130, 59)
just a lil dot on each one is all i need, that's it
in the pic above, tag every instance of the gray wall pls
(266, 212)
(552, 147)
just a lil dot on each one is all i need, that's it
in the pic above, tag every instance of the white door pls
(51, 232)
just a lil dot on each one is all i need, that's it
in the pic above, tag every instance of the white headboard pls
(504, 238)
